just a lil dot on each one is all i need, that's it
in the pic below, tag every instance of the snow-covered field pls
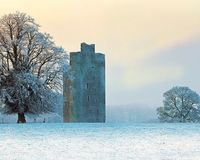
(37, 141)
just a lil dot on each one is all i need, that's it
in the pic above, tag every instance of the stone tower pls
(84, 91)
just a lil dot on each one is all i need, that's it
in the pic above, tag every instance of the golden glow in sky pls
(129, 32)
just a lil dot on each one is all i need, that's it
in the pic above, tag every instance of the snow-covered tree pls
(31, 67)
(181, 104)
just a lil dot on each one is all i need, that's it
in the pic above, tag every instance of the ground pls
(33, 141)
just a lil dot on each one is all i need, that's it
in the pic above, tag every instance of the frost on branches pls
(31, 67)
(181, 104)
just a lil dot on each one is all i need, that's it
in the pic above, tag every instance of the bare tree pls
(31, 67)
(181, 104)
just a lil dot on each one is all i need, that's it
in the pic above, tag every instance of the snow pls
(109, 141)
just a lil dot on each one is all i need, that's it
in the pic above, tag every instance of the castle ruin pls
(84, 89)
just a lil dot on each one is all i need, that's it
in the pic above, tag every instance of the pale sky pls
(150, 45)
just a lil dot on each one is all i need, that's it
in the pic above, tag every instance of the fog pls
(134, 113)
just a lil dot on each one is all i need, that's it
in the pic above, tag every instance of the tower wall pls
(84, 93)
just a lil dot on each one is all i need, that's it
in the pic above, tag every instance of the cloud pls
(148, 79)
(136, 35)
(148, 75)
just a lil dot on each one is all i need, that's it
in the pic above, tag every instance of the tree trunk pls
(21, 118)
